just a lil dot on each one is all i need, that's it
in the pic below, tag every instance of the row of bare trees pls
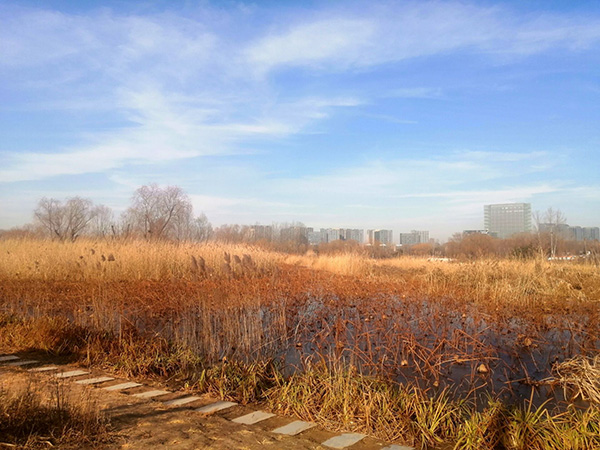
(154, 213)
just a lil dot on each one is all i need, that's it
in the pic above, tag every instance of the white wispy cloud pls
(393, 32)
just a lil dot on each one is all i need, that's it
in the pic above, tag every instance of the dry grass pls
(39, 414)
(89, 261)
(581, 375)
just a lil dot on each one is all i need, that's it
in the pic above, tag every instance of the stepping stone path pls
(151, 394)
(96, 380)
(71, 374)
(344, 440)
(44, 369)
(214, 407)
(253, 417)
(293, 428)
(122, 386)
(181, 401)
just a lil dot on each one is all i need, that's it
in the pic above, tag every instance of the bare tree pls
(50, 214)
(65, 221)
(160, 212)
(79, 212)
(551, 227)
(102, 224)
(202, 229)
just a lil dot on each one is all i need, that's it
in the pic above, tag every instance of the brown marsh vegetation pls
(490, 353)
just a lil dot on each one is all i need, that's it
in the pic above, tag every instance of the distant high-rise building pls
(385, 237)
(352, 234)
(414, 237)
(576, 233)
(591, 234)
(295, 234)
(507, 219)
(258, 232)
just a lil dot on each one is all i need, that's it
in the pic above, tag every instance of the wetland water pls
(431, 344)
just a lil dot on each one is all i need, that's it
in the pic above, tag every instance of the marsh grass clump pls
(481, 430)
(243, 382)
(38, 414)
(581, 375)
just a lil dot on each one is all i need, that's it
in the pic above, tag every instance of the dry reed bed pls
(408, 315)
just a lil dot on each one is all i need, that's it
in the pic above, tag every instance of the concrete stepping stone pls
(294, 428)
(214, 407)
(344, 440)
(253, 417)
(71, 374)
(397, 447)
(8, 358)
(44, 369)
(181, 401)
(151, 394)
(96, 380)
(122, 386)
(22, 363)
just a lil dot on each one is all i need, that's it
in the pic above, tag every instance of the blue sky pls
(402, 115)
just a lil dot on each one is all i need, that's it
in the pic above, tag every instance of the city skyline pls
(389, 115)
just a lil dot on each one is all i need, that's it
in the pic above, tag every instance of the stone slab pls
(214, 407)
(344, 440)
(397, 447)
(22, 363)
(181, 401)
(151, 394)
(71, 374)
(253, 417)
(44, 369)
(8, 358)
(122, 386)
(96, 380)
(294, 428)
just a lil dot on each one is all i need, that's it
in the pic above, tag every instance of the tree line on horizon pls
(166, 213)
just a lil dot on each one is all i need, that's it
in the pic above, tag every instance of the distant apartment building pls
(295, 234)
(575, 233)
(325, 235)
(315, 237)
(507, 219)
(260, 232)
(352, 234)
(591, 234)
(584, 233)
(414, 237)
(385, 237)
(561, 229)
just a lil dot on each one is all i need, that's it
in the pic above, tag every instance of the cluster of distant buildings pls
(500, 220)
(325, 235)
(507, 219)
